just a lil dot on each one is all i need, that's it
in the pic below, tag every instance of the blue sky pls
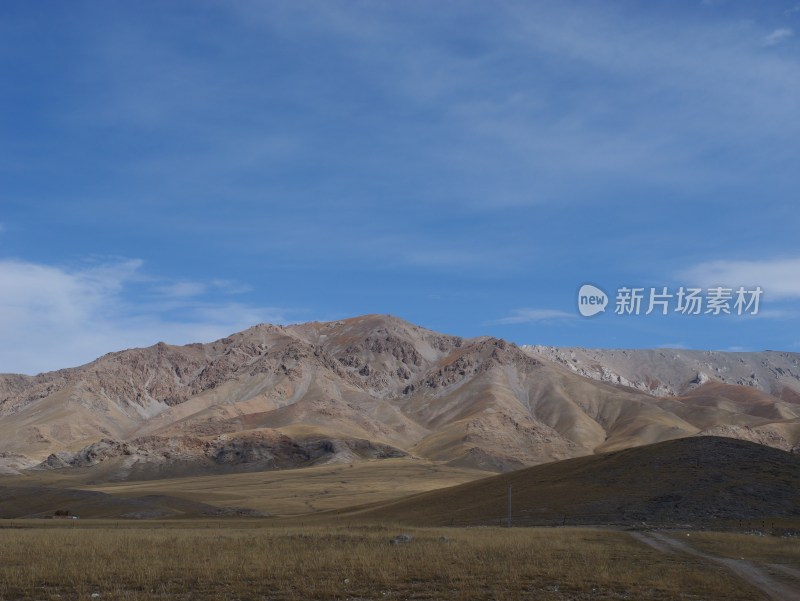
(180, 170)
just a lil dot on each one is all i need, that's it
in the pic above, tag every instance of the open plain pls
(265, 560)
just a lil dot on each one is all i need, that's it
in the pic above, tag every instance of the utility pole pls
(509, 505)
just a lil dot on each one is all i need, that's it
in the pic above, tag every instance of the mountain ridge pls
(375, 386)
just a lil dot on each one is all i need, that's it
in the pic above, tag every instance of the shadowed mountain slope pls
(44, 501)
(692, 480)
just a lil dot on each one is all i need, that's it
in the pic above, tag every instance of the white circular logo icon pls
(591, 300)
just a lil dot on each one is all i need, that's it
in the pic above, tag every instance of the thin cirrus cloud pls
(52, 317)
(522, 316)
(190, 289)
(779, 278)
(500, 135)
(777, 36)
(182, 289)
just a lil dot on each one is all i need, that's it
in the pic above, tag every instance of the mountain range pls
(372, 387)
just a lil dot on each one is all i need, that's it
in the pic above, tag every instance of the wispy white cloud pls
(492, 138)
(231, 286)
(53, 317)
(519, 316)
(673, 345)
(779, 278)
(777, 36)
(735, 349)
(187, 289)
(182, 289)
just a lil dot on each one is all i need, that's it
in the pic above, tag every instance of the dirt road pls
(758, 576)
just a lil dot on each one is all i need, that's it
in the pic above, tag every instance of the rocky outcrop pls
(262, 450)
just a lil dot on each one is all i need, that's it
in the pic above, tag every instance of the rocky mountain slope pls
(273, 397)
(673, 372)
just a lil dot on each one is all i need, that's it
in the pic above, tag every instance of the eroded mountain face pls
(376, 387)
(674, 372)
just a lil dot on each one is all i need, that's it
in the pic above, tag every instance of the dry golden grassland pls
(299, 492)
(255, 560)
(761, 549)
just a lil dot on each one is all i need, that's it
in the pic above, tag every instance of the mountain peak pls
(377, 385)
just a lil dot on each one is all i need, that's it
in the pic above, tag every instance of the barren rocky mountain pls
(673, 372)
(273, 397)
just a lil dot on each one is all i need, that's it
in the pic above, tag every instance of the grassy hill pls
(691, 480)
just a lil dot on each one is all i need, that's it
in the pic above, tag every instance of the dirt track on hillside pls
(756, 575)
